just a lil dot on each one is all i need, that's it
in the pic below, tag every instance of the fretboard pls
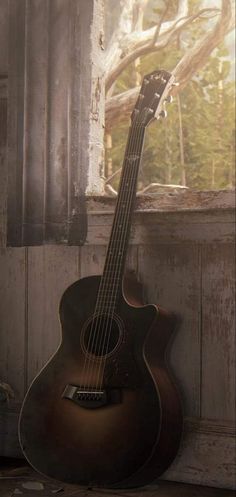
(111, 281)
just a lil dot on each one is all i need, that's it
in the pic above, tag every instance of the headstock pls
(154, 92)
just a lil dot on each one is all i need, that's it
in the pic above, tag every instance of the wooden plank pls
(35, 132)
(189, 200)
(3, 37)
(50, 271)
(9, 442)
(16, 114)
(218, 338)
(12, 318)
(93, 259)
(207, 455)
(3, 169)
(171, 276)
(153, 228)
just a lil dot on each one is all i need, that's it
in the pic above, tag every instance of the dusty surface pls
(18, 479)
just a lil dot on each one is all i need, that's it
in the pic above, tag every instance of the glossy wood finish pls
(121, 445)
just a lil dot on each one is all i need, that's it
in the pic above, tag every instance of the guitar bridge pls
(91, 399)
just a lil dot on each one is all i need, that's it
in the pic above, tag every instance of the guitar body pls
(130, 435)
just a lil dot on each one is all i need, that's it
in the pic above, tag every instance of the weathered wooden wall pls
(185, 260)
(182, 249)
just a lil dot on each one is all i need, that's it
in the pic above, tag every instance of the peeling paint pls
(101, 40)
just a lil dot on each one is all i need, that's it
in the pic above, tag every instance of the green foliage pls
(208, 122)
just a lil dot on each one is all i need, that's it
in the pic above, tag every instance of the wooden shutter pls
(49, 120)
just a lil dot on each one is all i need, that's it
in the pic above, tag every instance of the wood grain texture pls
(162, 227)
(3, 168)
(16, 70)
(92, 259)
(9, 416)
(171, 275)
(3, 37)
(218, 332)
(207, 455)
(188, 200)
(12, 318)
(50, 271)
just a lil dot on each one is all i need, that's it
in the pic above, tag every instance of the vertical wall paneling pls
(12, 319)
(171, 275)
(218, 324)
(3, 37)
(93, 259)
(35, 122)
(16, 70)
(57, 114)
(50, 271)
(3, 171)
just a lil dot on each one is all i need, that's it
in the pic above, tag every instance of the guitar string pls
(118, 273)
(131, 178)
(134, 174)
(134, 171)
(123, 241)
(93, 329)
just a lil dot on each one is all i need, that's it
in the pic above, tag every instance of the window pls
(56, 107)
(194, 147)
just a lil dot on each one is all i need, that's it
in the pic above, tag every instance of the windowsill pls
(187, 200)
(186, 217)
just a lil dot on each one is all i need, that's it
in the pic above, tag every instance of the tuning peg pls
(175, 84)
(169, 99)
(163, 114)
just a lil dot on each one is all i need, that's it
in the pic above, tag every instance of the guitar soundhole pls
(101, 335)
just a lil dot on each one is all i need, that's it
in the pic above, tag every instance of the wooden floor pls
(17, 479)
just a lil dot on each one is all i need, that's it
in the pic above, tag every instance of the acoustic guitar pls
(104, 411)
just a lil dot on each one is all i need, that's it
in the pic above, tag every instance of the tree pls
(127, 44)
(168, 29)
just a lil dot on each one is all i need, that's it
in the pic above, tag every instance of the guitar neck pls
(153, 93)
(111, 281)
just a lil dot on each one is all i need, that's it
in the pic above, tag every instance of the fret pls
(110, 285)
(131, 158)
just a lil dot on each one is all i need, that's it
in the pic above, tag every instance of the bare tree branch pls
(127, 38)
(153, 47)
(161, 20)
(155, 187)
(132, 40)
(113, 51)
(195, 59)
(120, 106)
(108, 180)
